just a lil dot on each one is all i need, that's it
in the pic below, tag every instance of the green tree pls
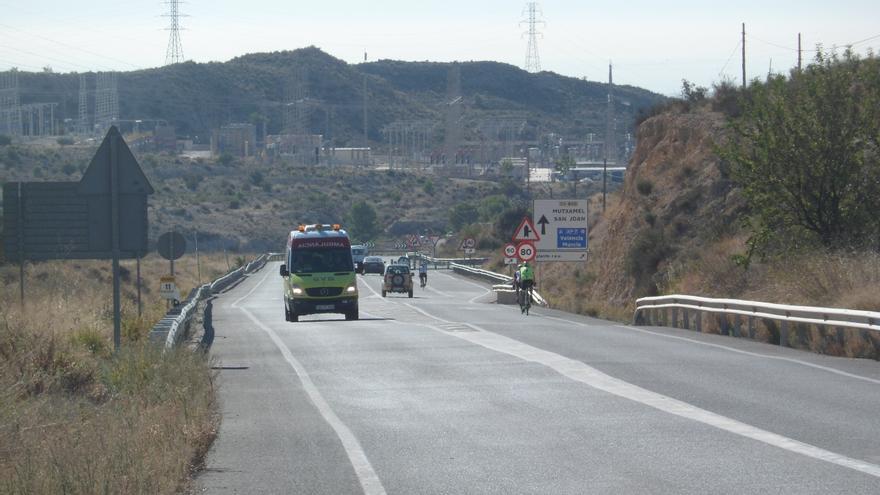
(463, 214)
(564, 166)
(806, 151)
(492, 206)
(363, 224)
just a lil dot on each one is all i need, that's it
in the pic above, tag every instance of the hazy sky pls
(652, 44)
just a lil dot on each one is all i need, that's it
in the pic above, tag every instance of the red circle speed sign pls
(526, 251)
(509, 250)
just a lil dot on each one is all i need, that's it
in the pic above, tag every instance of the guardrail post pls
(737, 325)
(783, 333)
(674, 318)
(751, 327)
(698, 321)
(687, 319)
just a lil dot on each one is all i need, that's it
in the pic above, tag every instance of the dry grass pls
(74, 418)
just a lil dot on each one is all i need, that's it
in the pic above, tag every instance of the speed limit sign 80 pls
(526, 251)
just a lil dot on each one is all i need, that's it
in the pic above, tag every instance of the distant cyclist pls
(423, 274)
(526, 284)
(516, 281)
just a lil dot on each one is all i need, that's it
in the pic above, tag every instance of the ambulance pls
(318, 273)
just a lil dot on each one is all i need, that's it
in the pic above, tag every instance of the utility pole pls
(800, 53)
(610, 142)
(744, 55)
(533, 61)
(174, 53)
(366, 136)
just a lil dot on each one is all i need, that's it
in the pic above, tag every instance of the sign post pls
(103, 216)
(171, 246)
(563, 229)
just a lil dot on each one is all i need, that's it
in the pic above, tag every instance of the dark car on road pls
(374, 264)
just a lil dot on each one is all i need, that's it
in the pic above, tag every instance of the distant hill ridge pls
(197, 97)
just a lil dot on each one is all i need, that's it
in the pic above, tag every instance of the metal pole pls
(20, 229)
(140, 306)
(171, 251)
(198, 262)
(744, 54)
(114, 219)
(604, 181)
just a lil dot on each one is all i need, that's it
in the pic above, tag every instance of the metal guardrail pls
(173, 327)
(675, 309)
(494, 278)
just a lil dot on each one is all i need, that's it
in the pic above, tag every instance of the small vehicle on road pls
(358, 253)
(398, 278)
(318, 273)
(374, 264)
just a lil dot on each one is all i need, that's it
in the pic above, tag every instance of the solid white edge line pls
(756, 354)
(581, 372)
(364, 471)
(728, 348)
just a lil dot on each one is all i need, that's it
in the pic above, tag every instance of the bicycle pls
(525, 298)
(423, 279)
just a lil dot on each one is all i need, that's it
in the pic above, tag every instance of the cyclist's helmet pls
(525, 263)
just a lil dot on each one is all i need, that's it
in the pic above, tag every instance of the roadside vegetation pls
(74, 417)
(768, 193)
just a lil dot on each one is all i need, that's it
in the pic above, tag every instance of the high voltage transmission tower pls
(10, 105)
(533, 61)
(174, 54)
(83, 125)
(106, 100)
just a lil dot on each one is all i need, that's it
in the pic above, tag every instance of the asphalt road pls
(448, 393)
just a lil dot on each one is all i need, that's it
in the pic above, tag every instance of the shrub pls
(644, 187)
(647, 251)
(64, 141)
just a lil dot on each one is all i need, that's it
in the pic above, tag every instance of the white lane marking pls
(581, 372)
(367, 476)
(728, 348)
(242, 298)
(371, 288)
(437, 291)
(756, 354)
(461, 280)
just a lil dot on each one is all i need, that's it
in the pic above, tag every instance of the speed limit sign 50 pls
(526, 251)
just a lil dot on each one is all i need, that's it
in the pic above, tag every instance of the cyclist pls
(527, 284)
(516, 281)
(423, 274)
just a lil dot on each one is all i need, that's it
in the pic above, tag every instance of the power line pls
(732, 53)
(69, 46)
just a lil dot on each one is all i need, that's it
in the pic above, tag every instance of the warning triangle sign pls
(130, 180)
(526, 231)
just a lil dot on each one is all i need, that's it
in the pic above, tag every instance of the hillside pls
(248, 206)
(197, 97)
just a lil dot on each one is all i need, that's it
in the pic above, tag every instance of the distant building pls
(303, 148)
(349, 156)
(234, 139)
